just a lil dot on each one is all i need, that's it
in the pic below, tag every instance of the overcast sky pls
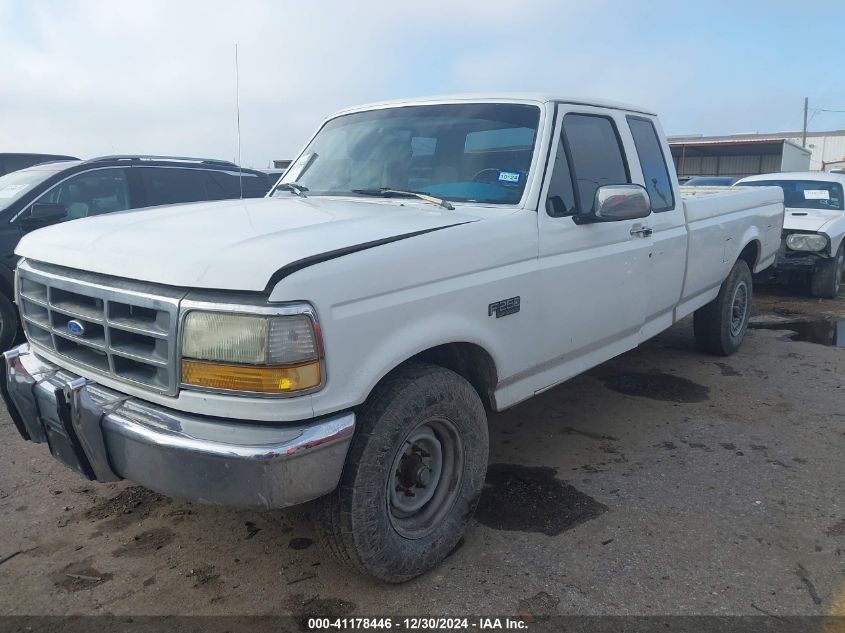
(157, 76)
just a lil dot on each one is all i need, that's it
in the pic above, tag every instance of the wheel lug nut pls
(423, 476)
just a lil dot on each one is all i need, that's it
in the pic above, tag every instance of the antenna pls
(238, 118)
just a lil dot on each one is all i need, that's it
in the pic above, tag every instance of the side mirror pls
(613, 203)
(42, 214)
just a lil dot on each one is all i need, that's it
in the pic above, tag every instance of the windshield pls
(16, 184)
(805, 194)
(476, 152)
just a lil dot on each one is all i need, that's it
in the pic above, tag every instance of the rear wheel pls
(9, 323)
(412, 477)
(720, 325)
(827, 277)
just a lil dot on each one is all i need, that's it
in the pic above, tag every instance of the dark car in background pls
(55, 192)
(15, 161)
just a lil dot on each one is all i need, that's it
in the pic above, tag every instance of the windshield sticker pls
(816, 194)
(10, 191)
(510, 177)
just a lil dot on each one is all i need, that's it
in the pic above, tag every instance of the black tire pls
(9, 323)
(827, 277)
(358, 522)
(720, 325)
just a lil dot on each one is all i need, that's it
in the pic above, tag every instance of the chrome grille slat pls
(36, 300)
(37, 321)
(130, 327)
(94, 343)
(141, 358)
(76, 311)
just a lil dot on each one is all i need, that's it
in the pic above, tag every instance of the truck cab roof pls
(514, 97)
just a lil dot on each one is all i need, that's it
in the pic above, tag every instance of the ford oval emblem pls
(76, 328)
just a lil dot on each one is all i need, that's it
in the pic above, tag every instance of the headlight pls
(806, 242)
(273, 354)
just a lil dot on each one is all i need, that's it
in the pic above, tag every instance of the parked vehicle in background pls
(813, 227)
(13, 162)
(419, 263)
(54, 192)
(710, 181)
(274, 174)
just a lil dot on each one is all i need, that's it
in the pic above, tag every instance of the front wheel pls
(412, 477)
(827, 277)
(720, 325)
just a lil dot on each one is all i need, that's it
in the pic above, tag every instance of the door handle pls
(642, 231)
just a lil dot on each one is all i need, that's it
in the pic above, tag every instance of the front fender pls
(414, 337)
(834, 239)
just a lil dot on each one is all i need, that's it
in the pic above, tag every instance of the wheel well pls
(470, 361)
(750, 254)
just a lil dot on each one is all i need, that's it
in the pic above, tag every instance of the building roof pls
(730, 146)
(773, 136)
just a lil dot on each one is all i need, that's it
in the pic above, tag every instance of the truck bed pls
(712, 213)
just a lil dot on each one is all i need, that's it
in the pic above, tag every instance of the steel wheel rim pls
(739, 308)
(425, 478)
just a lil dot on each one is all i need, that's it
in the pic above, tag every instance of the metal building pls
(736, 156)
(744, 154)
(828, 149)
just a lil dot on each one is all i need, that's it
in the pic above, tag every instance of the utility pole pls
(804, 132)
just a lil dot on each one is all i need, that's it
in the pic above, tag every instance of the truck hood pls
(232, 244)
(814, 220)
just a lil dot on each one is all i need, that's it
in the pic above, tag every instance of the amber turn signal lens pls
(254, 378)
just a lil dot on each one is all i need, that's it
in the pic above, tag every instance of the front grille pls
(114, 327)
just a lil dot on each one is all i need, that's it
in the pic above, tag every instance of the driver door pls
(593, 277)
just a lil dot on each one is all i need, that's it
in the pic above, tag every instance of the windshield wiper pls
(387, 192)
(293, 188)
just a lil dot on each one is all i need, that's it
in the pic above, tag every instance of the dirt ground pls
(662, 482)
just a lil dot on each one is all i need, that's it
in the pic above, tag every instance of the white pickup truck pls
(419, 264)
(813, 227)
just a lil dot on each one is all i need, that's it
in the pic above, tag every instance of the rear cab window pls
(653, 164)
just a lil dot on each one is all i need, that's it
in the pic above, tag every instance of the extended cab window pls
(653, 164)
(167, 185)
(596, 155)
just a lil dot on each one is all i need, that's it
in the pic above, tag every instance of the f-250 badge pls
(503, 307)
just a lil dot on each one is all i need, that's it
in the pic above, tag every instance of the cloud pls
(89, 77)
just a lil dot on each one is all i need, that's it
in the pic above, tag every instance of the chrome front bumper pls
(106, 435)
